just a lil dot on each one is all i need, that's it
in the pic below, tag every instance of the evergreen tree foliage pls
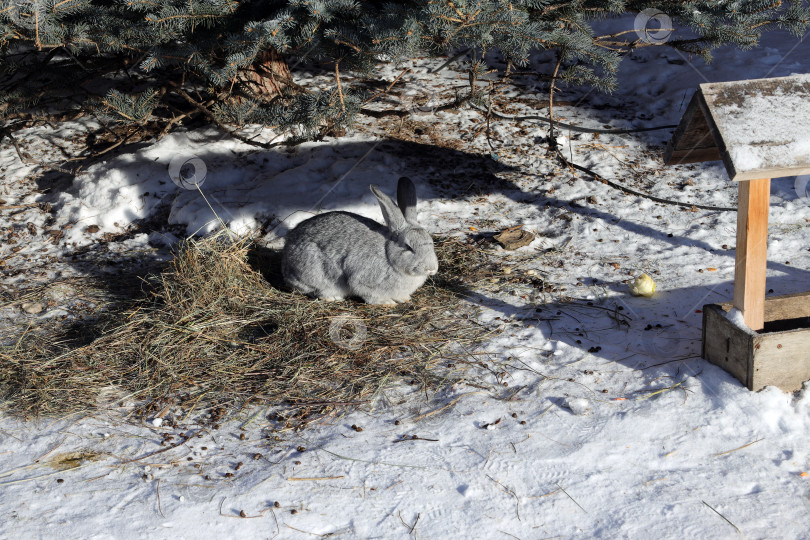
(142, 61)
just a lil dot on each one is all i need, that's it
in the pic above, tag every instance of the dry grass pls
(214, 331)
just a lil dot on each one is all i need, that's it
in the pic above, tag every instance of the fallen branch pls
(639, 193)
(208, 114)
(578, 129)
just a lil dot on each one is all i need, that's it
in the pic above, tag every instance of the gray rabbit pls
(340, 254)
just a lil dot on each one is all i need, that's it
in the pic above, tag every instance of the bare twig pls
(297, 479)
(170, 447)
(724, 518)
(570, 497)
(449, 61)
(551, 88)
(415, 438)
(339, 87)
(511, 492)
(388, 88)
(660, 391)
(12, 206)
(409, 527)
(157, 488)
(208, 114)
(740, 448)
(443, 407)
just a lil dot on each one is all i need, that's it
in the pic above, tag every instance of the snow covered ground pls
(592, 428)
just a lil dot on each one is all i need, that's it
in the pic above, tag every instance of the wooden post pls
(752, 251)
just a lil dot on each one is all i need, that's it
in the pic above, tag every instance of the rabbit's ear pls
(392, 215)
(406, 197)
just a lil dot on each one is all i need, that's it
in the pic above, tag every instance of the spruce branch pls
(220, 48)
(208, 114)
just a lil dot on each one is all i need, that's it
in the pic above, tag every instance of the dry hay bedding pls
(212, 332)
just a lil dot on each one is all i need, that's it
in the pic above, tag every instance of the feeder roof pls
(759, 128)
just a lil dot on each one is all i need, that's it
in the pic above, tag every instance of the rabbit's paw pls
(381, 301)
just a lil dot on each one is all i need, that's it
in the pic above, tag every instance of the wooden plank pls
(787, 306)
(693, 140)
(752, 251)
(782, 307)
(760, 125)
(725, 345)
(770, 172)
(692, 155)
(781, 359)
(758, 360)
(757, 127)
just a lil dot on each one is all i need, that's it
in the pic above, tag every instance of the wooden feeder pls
(759, 129)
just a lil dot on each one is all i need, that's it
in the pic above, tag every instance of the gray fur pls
(340, 254)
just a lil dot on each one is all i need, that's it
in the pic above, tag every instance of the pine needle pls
(740, 448)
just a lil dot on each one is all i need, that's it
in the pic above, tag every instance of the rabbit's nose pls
(431, 272)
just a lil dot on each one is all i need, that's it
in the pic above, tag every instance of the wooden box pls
(778, 355)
